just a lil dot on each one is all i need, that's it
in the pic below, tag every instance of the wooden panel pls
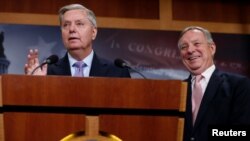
(40, 126)
(1, 128)
(141, 128)
(99, 92)
(112, 8)
(53, 127)
(171, 18)
(25, 118)
(232, 11)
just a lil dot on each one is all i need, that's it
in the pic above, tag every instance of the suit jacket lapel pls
(98, 68)
(63, 66)
(188, 113)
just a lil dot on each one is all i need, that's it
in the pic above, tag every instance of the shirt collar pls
(87, 60)
(207, 73)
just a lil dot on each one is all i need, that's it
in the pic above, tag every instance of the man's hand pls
(33, 62)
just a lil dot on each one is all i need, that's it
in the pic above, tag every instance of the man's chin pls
(193, 67)
(196, 70)
(74, 48)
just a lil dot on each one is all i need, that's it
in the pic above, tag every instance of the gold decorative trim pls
(80, 135)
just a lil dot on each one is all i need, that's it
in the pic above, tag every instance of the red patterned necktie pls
(196, 96)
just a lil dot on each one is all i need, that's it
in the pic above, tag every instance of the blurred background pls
(144, 33)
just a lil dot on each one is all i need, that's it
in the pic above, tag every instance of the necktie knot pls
(79, 65)
(198, 78)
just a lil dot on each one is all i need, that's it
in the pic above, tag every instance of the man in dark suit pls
(79, 30)
(225, 97)
(99, 68)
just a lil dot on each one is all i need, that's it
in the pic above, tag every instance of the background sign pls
(153, 53)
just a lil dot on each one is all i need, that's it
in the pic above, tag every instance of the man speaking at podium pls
(79, 30)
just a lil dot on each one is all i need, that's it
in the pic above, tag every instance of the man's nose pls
(190, 48)
(72, 28)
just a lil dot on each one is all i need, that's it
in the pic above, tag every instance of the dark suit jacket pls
(100, 68)
(226, 101)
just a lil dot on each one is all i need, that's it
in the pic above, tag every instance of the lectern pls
(48, 108)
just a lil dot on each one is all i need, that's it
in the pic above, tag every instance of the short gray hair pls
(206, 33)
(90, 13)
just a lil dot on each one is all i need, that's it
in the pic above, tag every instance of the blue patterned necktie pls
(79, 66)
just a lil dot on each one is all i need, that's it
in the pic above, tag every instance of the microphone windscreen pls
(52, 59)
(120, 63)
(123, 64)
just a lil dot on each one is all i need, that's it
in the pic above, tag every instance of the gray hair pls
(206, 33)
(90, 13)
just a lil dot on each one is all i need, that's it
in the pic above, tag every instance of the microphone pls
(122, 64)
(50, 60)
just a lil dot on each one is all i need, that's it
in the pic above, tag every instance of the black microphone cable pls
(50, 60)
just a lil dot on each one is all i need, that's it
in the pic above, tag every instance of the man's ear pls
(213, 48)
(94, 33)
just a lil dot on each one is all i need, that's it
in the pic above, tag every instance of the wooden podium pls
(48, 108)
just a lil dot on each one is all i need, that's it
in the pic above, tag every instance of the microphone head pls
(121, 63)
(52, 59)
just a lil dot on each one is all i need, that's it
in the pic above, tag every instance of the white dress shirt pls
(206, 77)
(87, 60)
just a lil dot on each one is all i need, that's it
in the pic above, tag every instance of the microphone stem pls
(40, 66)
(138, 73)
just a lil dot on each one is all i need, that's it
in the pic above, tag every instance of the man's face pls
(196, 53)
(77, 31)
